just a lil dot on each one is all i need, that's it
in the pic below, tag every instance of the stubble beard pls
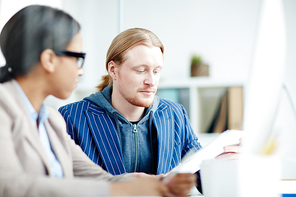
(136, 101)
(139, 102)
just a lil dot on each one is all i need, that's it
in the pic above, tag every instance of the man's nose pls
(150, 79)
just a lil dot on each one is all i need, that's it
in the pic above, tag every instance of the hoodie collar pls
(102, 99)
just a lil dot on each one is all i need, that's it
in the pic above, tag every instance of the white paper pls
(191, 163)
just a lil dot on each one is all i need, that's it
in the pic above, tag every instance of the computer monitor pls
(266, 78)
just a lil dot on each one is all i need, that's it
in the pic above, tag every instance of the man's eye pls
(140, 71)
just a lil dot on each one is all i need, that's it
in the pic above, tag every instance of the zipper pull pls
(135, 128)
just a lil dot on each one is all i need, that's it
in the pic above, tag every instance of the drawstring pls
(117, 125)
(151, 139)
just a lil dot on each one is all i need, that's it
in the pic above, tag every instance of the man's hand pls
(230, 152)
(181, 184)
(138, 175)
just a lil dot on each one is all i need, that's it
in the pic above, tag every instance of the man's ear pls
(112, 69)
(48, 60)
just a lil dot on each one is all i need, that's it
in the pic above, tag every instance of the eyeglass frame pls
(72, 54)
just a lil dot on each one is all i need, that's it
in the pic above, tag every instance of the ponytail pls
(106, 81)
(5, 74)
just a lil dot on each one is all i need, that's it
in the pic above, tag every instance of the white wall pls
(286, 119)
(290, 79)
(99, 22)
(10, 7)
(223, 32)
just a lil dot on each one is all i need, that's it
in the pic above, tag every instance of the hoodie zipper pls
(136, 146)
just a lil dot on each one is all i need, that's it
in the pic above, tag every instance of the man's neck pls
(127, 110)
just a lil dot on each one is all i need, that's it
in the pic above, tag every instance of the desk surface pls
(287, 187)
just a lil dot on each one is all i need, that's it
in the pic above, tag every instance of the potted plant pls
(198, 67)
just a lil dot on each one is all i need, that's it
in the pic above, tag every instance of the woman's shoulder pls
(10, 96)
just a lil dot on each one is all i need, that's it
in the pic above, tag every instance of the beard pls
(139, 102)
(136, 100)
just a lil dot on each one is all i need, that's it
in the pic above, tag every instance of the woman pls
(42, 48)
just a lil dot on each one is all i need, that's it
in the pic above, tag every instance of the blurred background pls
(222, 34)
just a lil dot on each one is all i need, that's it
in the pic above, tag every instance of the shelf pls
(200, 82)
(203, 94)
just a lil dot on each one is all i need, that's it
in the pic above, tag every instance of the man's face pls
(138, 76)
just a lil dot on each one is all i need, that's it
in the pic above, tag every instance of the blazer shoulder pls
(55, 116)
(167, 104)
(9, 93)
(79, 105)
(79, 108)
(10, 99)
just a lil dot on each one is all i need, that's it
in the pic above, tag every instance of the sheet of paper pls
(191, 163)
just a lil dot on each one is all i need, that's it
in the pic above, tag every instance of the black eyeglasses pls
(80, 56)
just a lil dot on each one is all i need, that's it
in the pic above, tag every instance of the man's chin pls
(142, 103)
(146, 105)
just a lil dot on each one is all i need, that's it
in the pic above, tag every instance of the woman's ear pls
(48, 60)
(112, 69)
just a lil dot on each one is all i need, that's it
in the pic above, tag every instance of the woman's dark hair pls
(28, 33)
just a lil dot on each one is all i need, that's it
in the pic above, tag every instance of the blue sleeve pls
(191, 140)
(198, 182)
(191, 143)
(70, 128)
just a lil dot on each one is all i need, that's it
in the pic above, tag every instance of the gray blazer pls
(24, 167)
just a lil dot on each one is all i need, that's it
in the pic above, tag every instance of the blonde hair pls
(122, 43)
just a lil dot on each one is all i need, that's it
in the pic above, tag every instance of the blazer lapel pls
(31, 134)
(106, 139)
(165, 130)
(59, 150)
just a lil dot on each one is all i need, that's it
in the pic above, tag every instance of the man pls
(125, 127)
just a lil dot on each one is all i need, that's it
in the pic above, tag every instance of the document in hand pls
(191, 161)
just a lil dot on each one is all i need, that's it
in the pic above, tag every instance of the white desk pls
(285, 187)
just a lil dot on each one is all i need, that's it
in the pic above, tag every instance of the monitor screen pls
(266, 79)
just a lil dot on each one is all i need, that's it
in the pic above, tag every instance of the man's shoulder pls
(79, 106)
(170, 107)
(165, 104)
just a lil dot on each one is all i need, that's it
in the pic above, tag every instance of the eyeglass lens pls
(80, 62)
